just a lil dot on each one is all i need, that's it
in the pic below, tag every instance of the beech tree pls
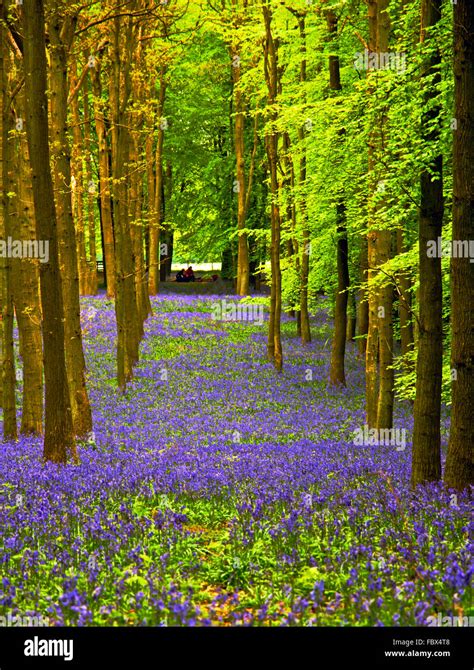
(459, 472)
(304, 323)
(337, 375)
(121, 33)
(271, 139)
(25, 271)
(61, 31)
(6, 293)
(426, 458)
(59, 441)
(106, 221)
(379, 354)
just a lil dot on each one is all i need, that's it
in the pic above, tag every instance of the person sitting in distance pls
(189, 274)
(180, 276)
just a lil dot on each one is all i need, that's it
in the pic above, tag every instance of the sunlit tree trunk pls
(6, 294)
(75, 361)
(303, 316)
(372, 342)
(104, 179)
(243, 273)
(150, 176)
(92, 280)
(384, 252)
(271, 141)
(288, 184)
(77, 181)
(59, 436)
(379, 352)
(363, 305)
(137, 212)
(125, 302)
(155, 223)
(25, 282)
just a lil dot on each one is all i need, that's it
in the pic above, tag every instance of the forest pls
(237, 313)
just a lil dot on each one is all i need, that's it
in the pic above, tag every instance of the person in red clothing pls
(189, 274)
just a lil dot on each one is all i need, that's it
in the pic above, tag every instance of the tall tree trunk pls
(288, 184)
(125, 303)
(372, 342)
(271, 140)
(363, 304)
(404, 309)
(25, 282)
(351, 318)
(92, 281)
(384, 252)
(337, 373)
(59, 437)
(75, 361)
(303, 316)
(426, 455)
(243, 272)
(459, 472)
(104, 180)
(170, 240)
(155, 224)
(7, 349)
(77, 183)
(136, 229)
(379, 350)
(141, 92)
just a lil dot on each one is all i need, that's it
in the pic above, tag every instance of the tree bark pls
(155, 224)
(404, 308)
(271, 140)
(104, 180)
(25, 284)
(384, 252)
(92, 282)
(303, 316)
(7, 312)
(426, 454)
(125, 302)
(337, 372)
(243, 272)
(351, 317)
(459, 473)
(61, 155)
(77, 183)
(59, 437)
(363, 304)
(379, 348)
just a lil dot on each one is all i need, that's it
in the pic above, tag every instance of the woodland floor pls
(218, 492)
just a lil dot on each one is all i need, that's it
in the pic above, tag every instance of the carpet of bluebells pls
(217, 492)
